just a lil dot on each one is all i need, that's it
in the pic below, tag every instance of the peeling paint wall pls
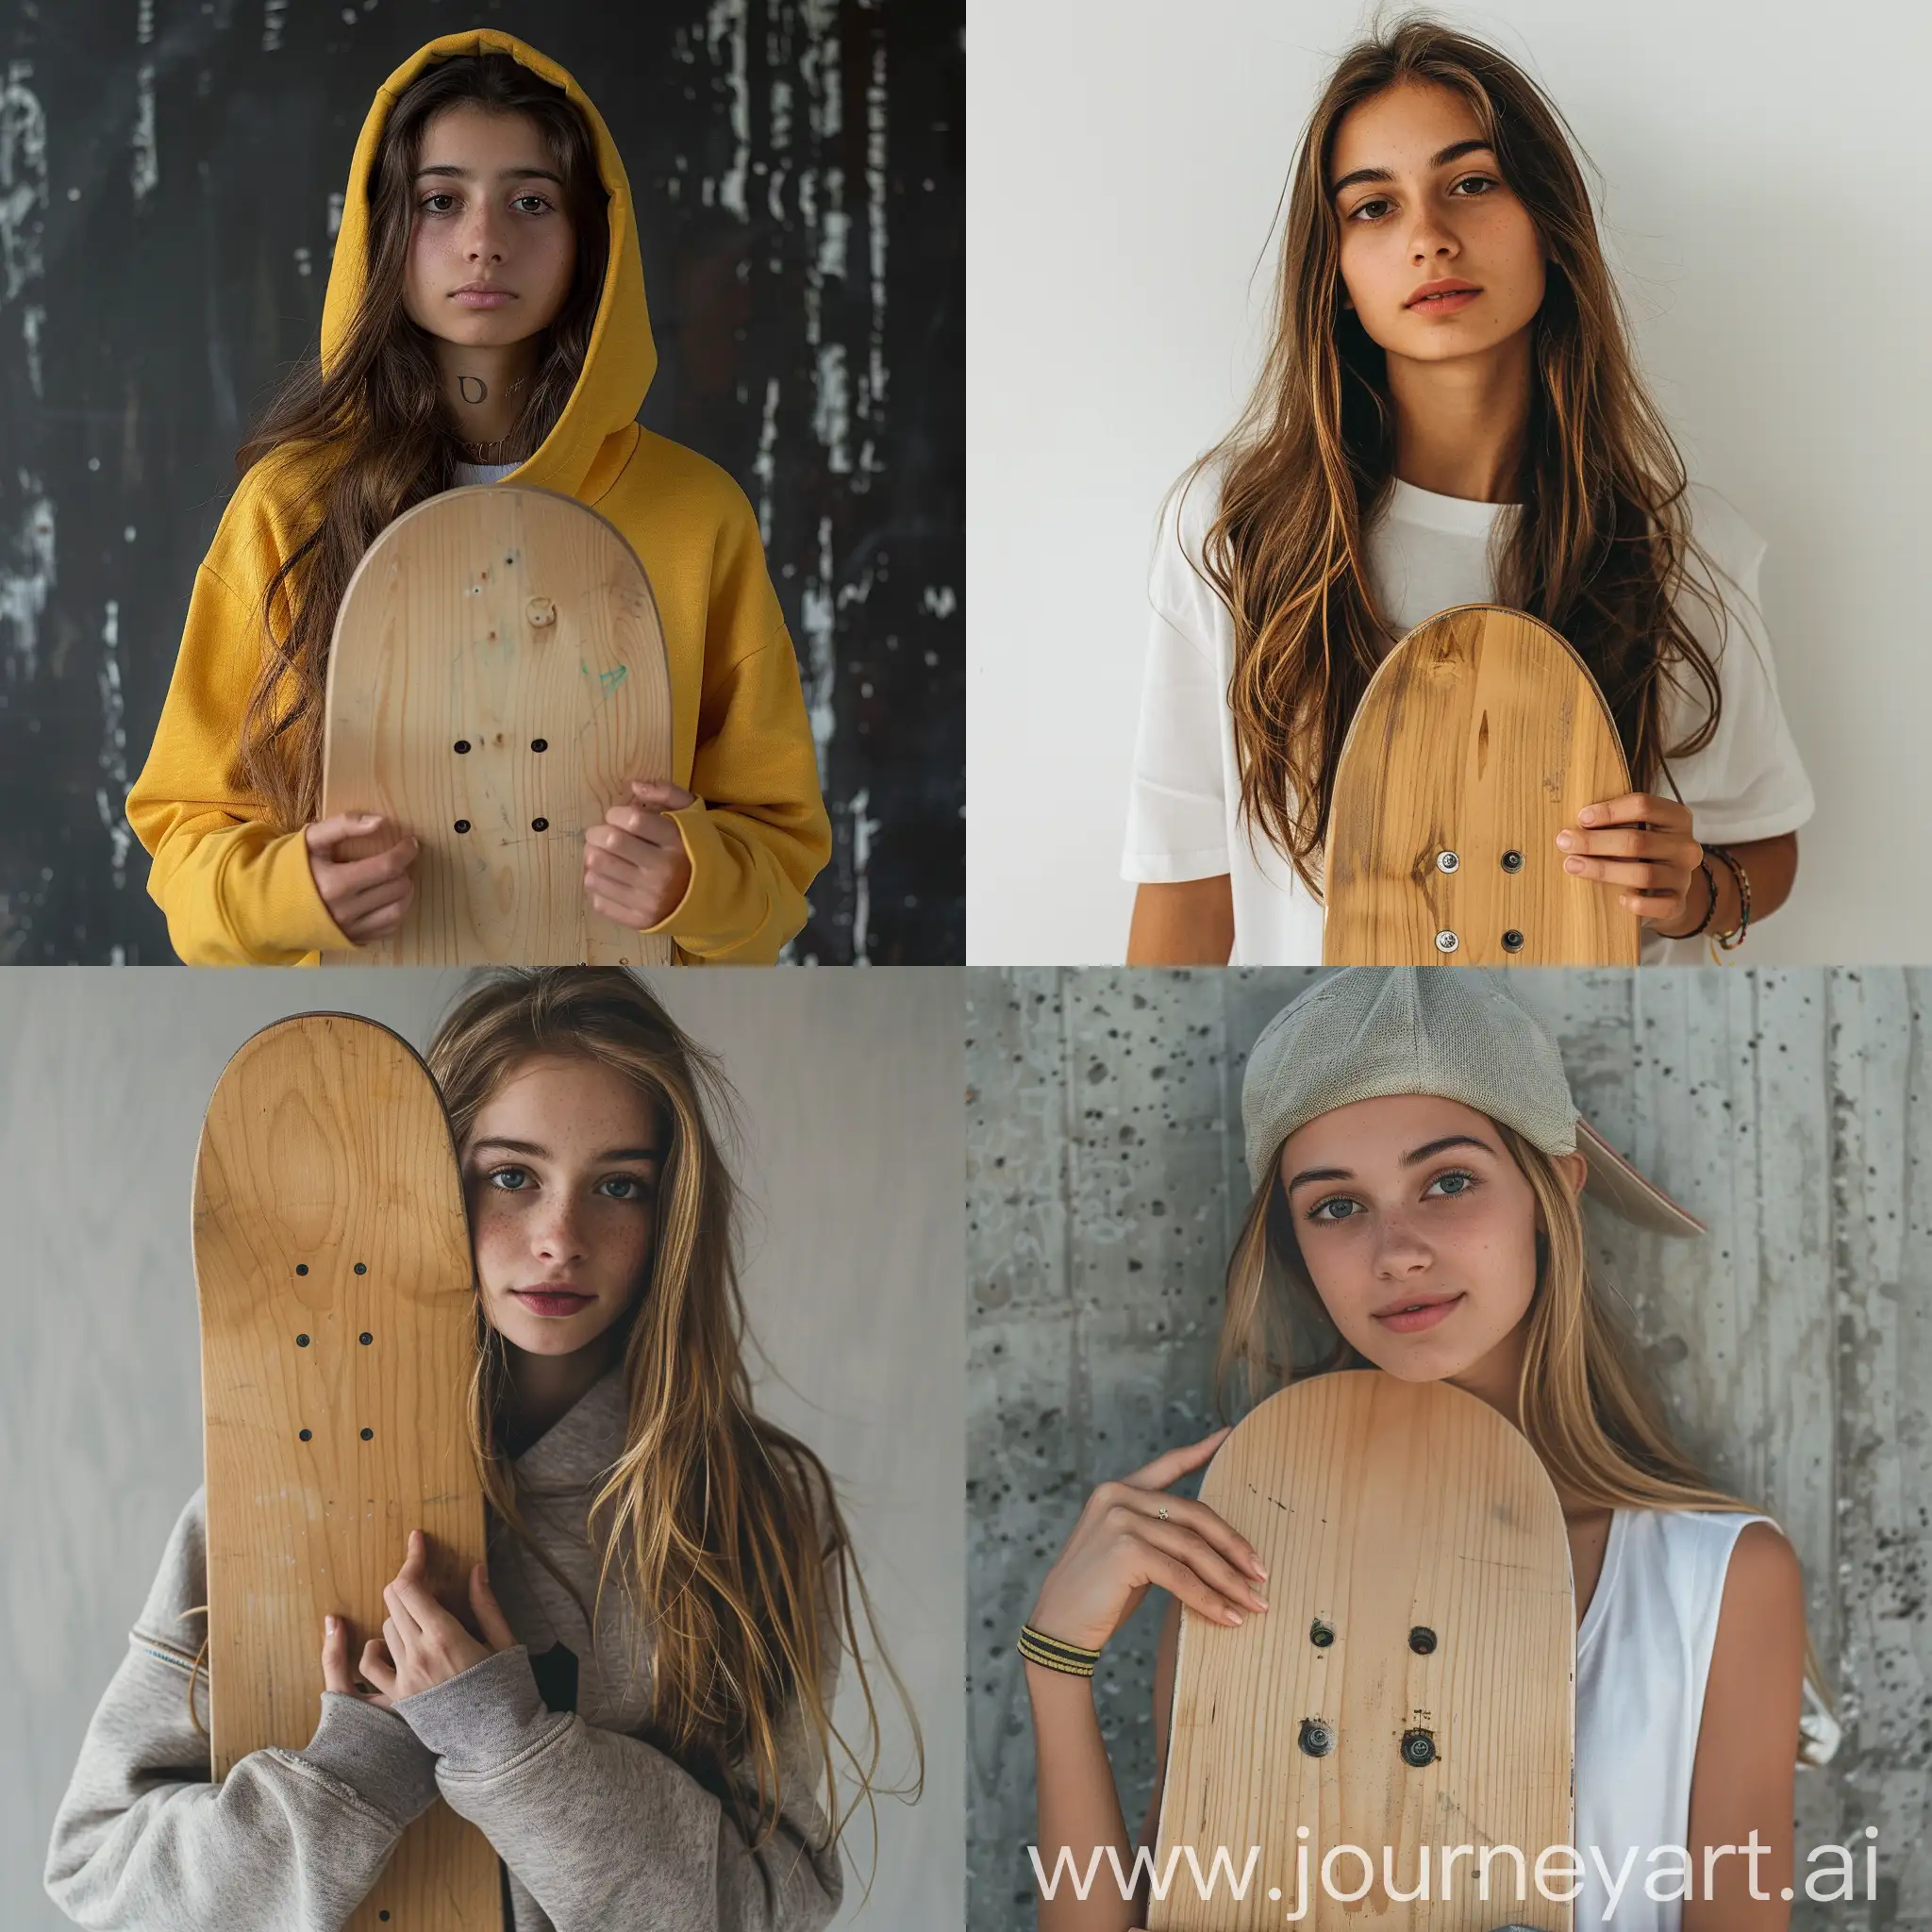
(1789, 1111)
(171, 177)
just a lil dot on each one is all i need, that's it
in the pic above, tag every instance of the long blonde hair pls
(1601, 548)
(1584, 1405)
(720, 1526)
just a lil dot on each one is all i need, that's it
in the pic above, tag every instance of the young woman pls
(1427, 1224)
(485, 318)
(1449, 415)
(640, 1720)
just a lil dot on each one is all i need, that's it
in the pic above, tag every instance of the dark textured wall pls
(167, 176)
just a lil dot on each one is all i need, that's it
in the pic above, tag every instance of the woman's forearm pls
(1187, 923)
(1080, 1816)
(1771, 866)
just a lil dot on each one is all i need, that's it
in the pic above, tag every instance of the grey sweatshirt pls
(600, 1831)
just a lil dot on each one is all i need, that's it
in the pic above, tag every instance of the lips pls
(482, 295)
(1416, 1312)
(552, 1301)
(1446, 295)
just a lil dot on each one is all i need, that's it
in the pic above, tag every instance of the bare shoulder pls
(1762, 1615)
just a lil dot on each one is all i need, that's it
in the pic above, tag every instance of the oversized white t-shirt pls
(1426, 553)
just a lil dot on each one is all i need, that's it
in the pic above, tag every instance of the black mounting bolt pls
(540, 825)
(365, 1338)
(307, 1434)
(1321, 1635)
(1317, 1740)
(540, 745)
(1422, 1640)
(1513, 861)
(1512, 940)
(462, 745)
(300, 1341)
(462, 824)
(368, 1435)
(361, 1268)
(301, 1267)
(1418, 1749)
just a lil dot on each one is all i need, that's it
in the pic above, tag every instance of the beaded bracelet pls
(1731, 941)
(1036, 1647)
(1709, 904)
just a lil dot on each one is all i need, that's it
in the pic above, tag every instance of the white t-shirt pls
(468, 474)
(1643, 1661)
(1426, 553)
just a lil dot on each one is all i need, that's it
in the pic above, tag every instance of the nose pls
(483, 240)
(555, 1232)
(1400, 1251)
(1432, 241)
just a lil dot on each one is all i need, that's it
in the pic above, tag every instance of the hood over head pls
(622, 358)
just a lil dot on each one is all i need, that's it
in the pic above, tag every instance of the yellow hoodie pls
(236, 889)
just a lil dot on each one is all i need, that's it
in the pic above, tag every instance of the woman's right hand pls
(360, 863)
(1132, 1535)
(337, 1674)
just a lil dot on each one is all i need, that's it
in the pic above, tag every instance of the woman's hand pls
(635, 871)
(422, 1644)
(360, 863)
(1642, 842)
(1132, 1535)
(335, 1674)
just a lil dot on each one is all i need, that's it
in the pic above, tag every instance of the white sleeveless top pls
(1642, 1659)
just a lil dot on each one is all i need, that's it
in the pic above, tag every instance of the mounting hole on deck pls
(540, 745)
(540, 825)
(462, 745)
(368, 1435)
(300, 1341)
(1418, 1749)
(462, 824)
(1512, 940)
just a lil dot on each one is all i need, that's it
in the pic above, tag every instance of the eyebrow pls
(1427, 1151)
(531, 1147)
(1454, 152)
(502, 173)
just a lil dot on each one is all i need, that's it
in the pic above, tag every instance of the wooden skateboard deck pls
(1412, 1682)
(496, 681)
(337, 1324)
(1480, 736)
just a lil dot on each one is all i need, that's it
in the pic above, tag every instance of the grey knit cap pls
(1366, 1032)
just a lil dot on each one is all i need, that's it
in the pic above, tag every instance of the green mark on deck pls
(611, 679)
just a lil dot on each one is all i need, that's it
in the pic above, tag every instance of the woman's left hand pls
(1642, 843)
(422, 1644)
(635, 871)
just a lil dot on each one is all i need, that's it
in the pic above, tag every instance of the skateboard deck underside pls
(1480, 738)
(1419, 1588)
(496, 681)
(338, 1320)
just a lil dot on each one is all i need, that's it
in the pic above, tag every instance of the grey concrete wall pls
(850, 1085)
(1789, 1111)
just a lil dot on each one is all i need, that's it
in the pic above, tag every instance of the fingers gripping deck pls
(1411, 1682)
(497, 679)
(338, 1320)
(1480, 738)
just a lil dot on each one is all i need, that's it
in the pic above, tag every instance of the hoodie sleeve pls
(235, 890)
(603, 1830)
(289, 1841)
(759, 834)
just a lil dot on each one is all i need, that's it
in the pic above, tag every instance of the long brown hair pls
(374, 416)
(721, 1530)
(1582, 1401)
(1602, 547)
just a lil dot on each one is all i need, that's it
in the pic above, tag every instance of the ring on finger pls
(1160, 1515)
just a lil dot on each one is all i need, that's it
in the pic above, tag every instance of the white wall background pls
(850, 1088)
(1766, 199)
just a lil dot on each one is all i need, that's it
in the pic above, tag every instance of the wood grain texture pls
(328, 1208)
(1480, 734)
(498, 620)
(1378, 1507)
